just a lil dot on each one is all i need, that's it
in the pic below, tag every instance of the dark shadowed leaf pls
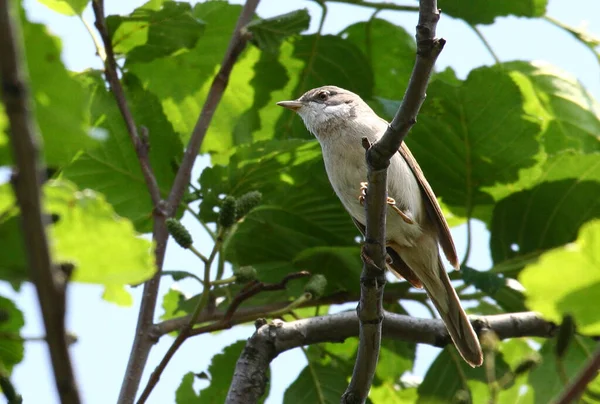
(572, 294)
(154, 30)
(113, 168)
(449, 376)
(317, 383)
(546, 379)
(485, 12)
(268, 33)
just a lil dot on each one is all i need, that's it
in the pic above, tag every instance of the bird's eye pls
(323, 95)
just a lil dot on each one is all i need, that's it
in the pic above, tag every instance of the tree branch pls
(144, 336)
(247, 314)
(250, 375)
(140, 143)
(573, 392)
(376, 5)
(378, 158)
(49, 280)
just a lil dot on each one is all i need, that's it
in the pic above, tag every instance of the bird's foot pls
(390, 201)
(404, 216)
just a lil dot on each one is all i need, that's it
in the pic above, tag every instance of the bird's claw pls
(390, 201)
(404, 216)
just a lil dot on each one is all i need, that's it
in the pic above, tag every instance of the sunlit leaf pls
(66, 7)
(155, 30)
(577, 266)
(477, 12)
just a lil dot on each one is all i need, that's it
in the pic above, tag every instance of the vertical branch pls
(145, 336)
(378, 155)
(49, 280)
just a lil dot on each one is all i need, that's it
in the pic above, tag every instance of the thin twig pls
(110, 70)
(246, 314)
(376, 5)
(185, 332)
(572, 393)
(378, 156)
(269, 340)
(49, 280)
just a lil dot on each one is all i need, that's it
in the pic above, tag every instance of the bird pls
(340, 119)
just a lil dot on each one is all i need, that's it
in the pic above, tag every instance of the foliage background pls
(110, 327)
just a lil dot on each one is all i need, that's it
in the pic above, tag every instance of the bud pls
(245, 274)
(179, 233)
(227, 214)
(526, 365)
(316, 285)
(246, 203)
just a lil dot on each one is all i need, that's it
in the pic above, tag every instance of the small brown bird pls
(339, 119)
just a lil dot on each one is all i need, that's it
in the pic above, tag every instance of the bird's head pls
(328, 109)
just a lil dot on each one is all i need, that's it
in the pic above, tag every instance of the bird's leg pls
(390, 201)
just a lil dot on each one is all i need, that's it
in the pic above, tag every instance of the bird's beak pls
(293, 105)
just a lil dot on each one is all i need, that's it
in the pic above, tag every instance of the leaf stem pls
(295, 304)
(186, 331)
(485, 42)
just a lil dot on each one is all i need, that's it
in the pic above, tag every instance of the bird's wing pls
(433, 208)
(397, 265)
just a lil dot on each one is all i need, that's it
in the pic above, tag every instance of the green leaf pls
(186, 393)
(60, 101)
(66, 7)
(268, 34)
(221, 373)
(549, 214)
(570, 113)
(473, 134)
(11, 344)
(546, 379)
(514, 352)
(90, 235)
(113, 168)
(449, 374)
(390, 50)
(155, 30)
(574, 292)
(316, 383)
(171, 302)
(395, 358)
(13, 267)
(483, 12)
(389, 393)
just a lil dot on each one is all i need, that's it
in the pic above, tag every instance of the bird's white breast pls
(346, 168)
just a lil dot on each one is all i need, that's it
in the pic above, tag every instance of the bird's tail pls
(444, 297)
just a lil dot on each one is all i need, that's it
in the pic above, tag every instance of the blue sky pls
(105, 331)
